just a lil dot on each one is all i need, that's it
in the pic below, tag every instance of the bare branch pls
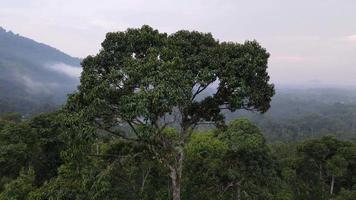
(144, 178)
(199, 90)
(121, 136)
(133, 128)
(114, 133)
(137, 122)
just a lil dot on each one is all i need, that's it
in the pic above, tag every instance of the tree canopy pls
(149, 80)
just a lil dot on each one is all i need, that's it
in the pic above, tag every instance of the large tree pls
(143, 81)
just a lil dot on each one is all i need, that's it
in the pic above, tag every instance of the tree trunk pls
(176, 176)
(175, 185)
(321, 180)
(332, 184)
(238, 184)
(238, 193)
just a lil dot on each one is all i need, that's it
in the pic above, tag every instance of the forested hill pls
(34, 77)
(298, 114)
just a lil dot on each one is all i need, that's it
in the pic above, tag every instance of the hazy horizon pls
(311, 43)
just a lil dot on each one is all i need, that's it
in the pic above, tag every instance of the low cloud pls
(68, 70)
(352, 38)
(36, 87)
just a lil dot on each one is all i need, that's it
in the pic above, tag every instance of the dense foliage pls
(43, 158)
(136, 129)
(143, 82)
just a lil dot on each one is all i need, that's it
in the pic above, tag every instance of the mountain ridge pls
(33, 74)
(3, 30)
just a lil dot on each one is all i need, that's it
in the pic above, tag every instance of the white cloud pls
(352, 38)
(36, 87)
(68, 70)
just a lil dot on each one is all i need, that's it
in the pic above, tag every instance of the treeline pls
(306, 115)
(47, 158)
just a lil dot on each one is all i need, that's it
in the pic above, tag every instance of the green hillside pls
(33, 76)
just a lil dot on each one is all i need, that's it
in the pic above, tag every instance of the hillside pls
(298, 114)
(34, 77)
(303, 113)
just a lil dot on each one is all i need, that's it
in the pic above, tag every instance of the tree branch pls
(114, 133)
(133, 128)
(199, 90)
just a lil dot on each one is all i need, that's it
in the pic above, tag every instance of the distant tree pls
(11, 117)
(233, 164)
(19, 188)
(346, 195)
(146, 81)
(47, 133)
(16, 145)
(204, 166)
(319, 168)
(249, 166)
(34, 143)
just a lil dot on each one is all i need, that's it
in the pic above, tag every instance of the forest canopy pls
(135, 129)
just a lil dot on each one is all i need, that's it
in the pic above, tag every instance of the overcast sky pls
(310, 41)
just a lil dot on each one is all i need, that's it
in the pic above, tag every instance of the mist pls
(65, 69)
